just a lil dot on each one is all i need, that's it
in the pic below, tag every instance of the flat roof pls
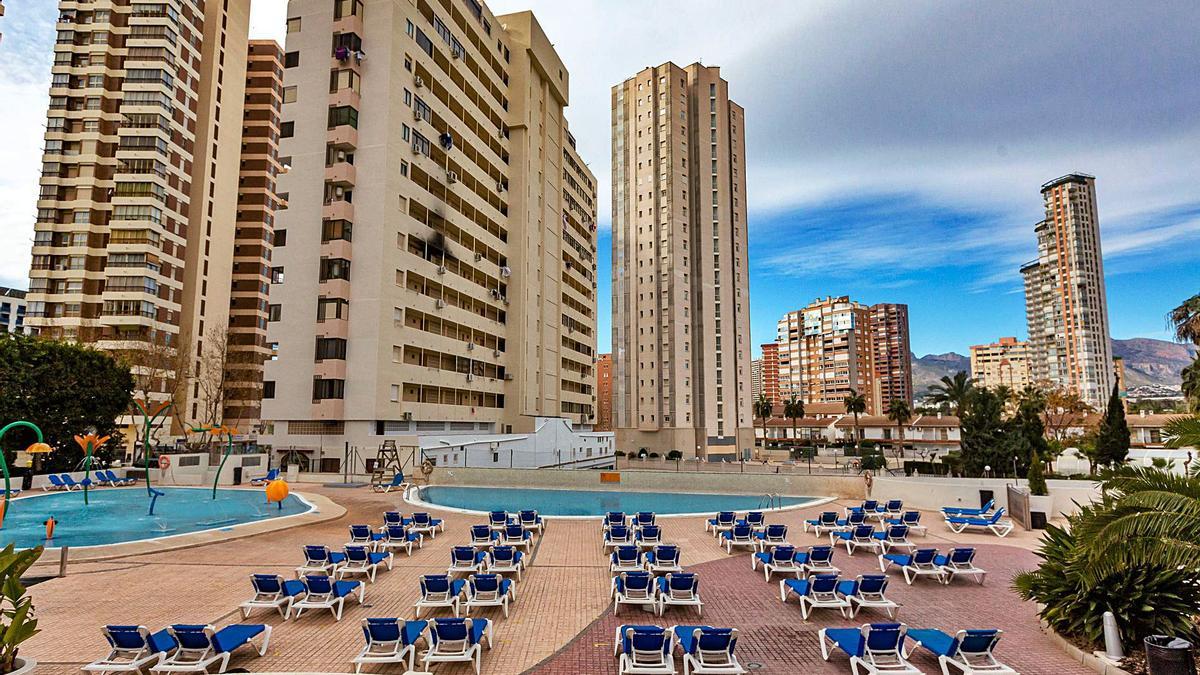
(1069, 178)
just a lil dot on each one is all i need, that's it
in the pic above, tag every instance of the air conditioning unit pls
(508, 377)
(441, 304)
(501, 186)
(456, 53)
(451, 177)
(340, 155)
(470, 377)
(419, 81)
(417, 115)
(339, 192)
(407, 416)
(441, 269)
(470, 346)
(505, 272)
(495, 352)
(478, 257)
(504, 299)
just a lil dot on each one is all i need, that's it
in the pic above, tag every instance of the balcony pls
(340, 173)
(338, 210)
(343, 135)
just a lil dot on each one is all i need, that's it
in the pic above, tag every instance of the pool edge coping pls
(417, 501)
(320, 509)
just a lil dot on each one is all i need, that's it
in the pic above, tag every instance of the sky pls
(895, 150)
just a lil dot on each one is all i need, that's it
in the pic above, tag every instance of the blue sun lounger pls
(662, 558)
(612, 519)
(498, 520)
(875, 647)
(647, 536)
(531, 521)
(707, 649)
(201, 646)
(826, 522)
(634, 588)
(911, 519)
(325, 593)
(56, 483)
(971, 651)
(723, 521)
(483, 536)
(438, 591)
(817, 560)
(739, 535)
(618, 535)
(117, 481)
(644, 518)
(272, 474)
(361, 560)
(395, 518)
(397, 483)
(780, 559)
(820, 591)
(771, 536)
(321, 560)
(680, 590)
(361, 535)
(895, 536)
(423, 523)
(852, 520)
(505, 560)
(516, 535)
(994, 524)
(490, 590)
(132, 649)
(643, 649)
(271, 591)
(924, 562)
(862, 536)
(72, 485)
(870, 593)
(457, 640)
(961, 561)
(625, 559)
(984, 511)
(389, 640)
(466, 559)
(396, 537)
(755, 519)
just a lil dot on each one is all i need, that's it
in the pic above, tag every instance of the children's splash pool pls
(117, 515)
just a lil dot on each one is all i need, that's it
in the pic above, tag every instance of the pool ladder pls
(771, 500)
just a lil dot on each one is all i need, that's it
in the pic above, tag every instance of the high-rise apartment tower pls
(133, 244)
(1066, 307)
(435, 267)
(681, 299)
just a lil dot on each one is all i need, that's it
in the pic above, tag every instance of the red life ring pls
(164, 462)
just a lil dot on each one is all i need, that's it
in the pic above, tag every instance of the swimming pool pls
(591, 502)
(118, 515)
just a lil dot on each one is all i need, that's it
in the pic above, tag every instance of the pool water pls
(118, 515)
(591, 502)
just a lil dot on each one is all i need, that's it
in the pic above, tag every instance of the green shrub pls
(619, 453)
(873, 462)
(674, 454)
(654, 455)
(1146, 600)
(1037, 477)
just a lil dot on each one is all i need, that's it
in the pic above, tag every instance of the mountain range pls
(1147, 362)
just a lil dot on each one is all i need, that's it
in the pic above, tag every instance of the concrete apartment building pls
(1004, 362)
(450, 286)
(133, 243)
(835, 345)
(891, 355)
(604, 368)
(1066, 307)
(12, 310)
(756, 378)
(681, 299)
(769, 373)
(257, 203)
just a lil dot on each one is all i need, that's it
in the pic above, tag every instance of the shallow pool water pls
(591, 502)
(117, 515)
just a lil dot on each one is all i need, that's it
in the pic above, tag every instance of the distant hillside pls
(930, 368)
(1147, 362)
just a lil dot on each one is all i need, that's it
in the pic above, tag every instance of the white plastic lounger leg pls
(824, 646)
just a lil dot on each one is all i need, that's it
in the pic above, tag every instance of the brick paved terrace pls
(562, 621)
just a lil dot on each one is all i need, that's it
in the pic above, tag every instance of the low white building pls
(553, 444)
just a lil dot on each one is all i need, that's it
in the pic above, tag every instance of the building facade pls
(1003, 363)
(449, 286)
(12, 311)
(891, 355)
(770, 372)
(1066, 307)
(133, 242)
(257, 204)
(681, 298)
(604, 368)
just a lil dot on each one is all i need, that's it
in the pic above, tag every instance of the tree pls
(1037, 477)
(1191, 385)
(1064, 410)
(1185, 320)
(856, 404)
(953, 390)
(1112, 439)
(65, 389)
(1024, 437)
(762, 410)
(983, 433)
(900, 413)
(793, 409)
(1183, 432)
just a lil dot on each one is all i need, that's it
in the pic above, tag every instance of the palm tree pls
(953, 390)
(1185, 320)
(856, 404)
(900, 413)
(793, 409)
(1191, 385)
(762, 410)
(1183, 432)
(1151, 518)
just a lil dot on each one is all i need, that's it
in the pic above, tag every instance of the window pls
(277, 275)
(336, 229)
(343, 79)
(291, 59)
(274, 312)
(287, 129)
(335, 268)
(293, 25)
(280, 238)
(268, 389)
(422, 109)
(331, 348)
(323, 389)
(424, 42)
(421, 144)
(329, 309)
(343, 114)
(344, 8)
(289, 94)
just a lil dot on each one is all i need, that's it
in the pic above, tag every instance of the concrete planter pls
(1043, 504)
(22, 666)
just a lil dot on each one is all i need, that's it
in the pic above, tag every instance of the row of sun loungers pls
(180, 648)
(881, 648)
(103, 477)
(651, 649)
